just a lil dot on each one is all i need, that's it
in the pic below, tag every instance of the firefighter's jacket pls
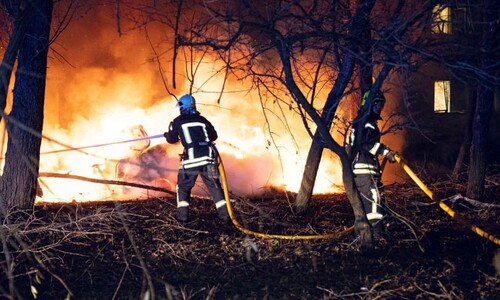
(365, 146)
(196, 134)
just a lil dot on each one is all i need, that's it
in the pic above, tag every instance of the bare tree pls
(29, 42)
(347, 42)
(319, 54)
(18, 184)
(305, 49)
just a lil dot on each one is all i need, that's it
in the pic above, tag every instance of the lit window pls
(441, 19)
(442, 95)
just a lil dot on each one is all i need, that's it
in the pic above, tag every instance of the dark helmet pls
(379, 97)
(187, 104)
(368, 111)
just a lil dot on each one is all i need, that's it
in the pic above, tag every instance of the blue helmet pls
(187, 104)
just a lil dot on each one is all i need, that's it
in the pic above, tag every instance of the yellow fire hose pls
(443, 206)
(266, 235)
(405, 167)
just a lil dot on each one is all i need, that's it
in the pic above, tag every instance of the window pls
(442, 95)
(441, 19)
(450, 96)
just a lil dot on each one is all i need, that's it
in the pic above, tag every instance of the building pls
(442, 92)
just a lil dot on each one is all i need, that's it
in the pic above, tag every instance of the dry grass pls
(137, 250)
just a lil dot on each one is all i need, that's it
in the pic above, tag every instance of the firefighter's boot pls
(379, 230)
(182, 214)
(222, 211)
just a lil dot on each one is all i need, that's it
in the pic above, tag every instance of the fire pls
(250, 160)
(114, 88)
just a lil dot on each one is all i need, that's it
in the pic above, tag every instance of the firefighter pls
(365, 148)
(199, 157)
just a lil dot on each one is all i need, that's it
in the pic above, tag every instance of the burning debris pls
(143, 142)
(151, 167)
(145, 171)
(147, 165)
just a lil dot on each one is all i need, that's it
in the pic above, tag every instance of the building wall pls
(434, 139)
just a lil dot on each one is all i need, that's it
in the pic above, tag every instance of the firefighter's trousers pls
(186, 179)
(370, 189)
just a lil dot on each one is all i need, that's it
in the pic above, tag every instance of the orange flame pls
(112, 86)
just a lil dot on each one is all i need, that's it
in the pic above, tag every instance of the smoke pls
(102, 84)
(107, 85)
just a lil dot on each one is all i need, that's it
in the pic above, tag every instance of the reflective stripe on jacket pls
(196, 134)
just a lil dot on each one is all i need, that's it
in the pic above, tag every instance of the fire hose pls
(69, 148)
(443, 205)
(405, 167)
(222, 172)
(267, 235)
(226, 194)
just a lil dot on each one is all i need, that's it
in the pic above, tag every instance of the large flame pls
(110, 88)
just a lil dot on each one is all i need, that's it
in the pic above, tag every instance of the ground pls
(137, 250)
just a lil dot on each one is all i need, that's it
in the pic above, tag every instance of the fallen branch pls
(105, 181)
(473, 202)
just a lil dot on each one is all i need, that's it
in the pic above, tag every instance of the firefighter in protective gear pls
(196, 134)
(365, 147)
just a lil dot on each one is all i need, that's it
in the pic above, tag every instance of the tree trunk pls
(309, 175)
(361, 226)
(10, 55)
(25, 122)
(318, 143)
(466, 143)
(484, 106)
(359, 24)
(477, 166)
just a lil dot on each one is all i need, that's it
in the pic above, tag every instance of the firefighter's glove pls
(391, 156)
